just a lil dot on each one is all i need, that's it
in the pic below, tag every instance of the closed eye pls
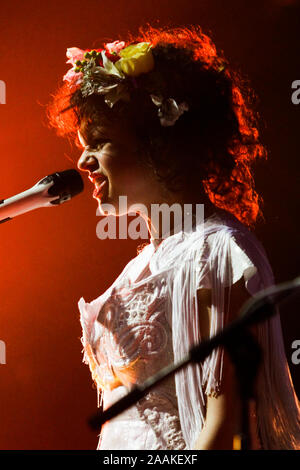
(97, 145)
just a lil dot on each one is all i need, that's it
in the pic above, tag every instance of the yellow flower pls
(135, 59)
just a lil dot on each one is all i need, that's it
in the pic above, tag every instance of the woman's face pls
(110, 156)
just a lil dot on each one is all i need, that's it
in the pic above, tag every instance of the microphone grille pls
(67, 182)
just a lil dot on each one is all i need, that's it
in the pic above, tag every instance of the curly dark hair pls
(211, 148)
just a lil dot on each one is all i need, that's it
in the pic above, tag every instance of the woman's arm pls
(222, 412)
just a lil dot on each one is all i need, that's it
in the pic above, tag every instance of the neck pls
(173, 214)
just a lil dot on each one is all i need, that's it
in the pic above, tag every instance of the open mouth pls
(100, 189)
(101, 183)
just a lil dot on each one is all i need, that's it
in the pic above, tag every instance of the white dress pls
(148, 318)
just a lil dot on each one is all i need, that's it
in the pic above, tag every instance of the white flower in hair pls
(168, 110)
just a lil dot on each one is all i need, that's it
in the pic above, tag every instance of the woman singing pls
(163, 119)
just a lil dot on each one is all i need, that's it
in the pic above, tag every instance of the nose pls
(87, 162)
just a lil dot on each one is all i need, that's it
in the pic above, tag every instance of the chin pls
(106, 206)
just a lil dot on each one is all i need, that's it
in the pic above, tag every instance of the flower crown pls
(109, 71)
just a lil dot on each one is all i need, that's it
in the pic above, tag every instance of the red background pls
(52, 257)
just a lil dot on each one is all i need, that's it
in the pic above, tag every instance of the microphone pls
(52, 190)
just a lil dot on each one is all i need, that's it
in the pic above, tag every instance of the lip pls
(97, 178)
(100, 181)
(100, 189)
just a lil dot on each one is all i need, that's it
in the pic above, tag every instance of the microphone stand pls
(246, 356)
(242, 348)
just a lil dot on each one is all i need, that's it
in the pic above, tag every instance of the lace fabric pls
(149, 317)
(152, 424)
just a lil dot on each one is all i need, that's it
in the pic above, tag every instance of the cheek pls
(113, 159)
(128, 181)
(114, 169)
(124, 172)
